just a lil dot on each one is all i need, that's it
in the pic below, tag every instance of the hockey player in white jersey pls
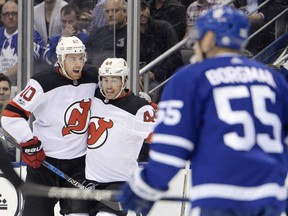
(60, 99)
(226, 114)
(120, 121)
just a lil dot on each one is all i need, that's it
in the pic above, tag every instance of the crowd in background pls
(102, 27)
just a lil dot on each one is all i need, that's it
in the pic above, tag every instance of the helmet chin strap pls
(63, 71)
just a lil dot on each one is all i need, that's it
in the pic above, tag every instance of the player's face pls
(73, 65)
(111, 86)
(5, 92)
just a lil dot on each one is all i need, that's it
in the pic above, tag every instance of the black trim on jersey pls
(13, 109)
(130, 103)
(50, 79)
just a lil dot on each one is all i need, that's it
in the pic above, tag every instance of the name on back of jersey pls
(239, 74)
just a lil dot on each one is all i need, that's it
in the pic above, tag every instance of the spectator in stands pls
(103, 43)
(156, 37)
(261, 17)
(86, 7)
(98, 17)
(70, 27)
(171, 11)
(5, 91)
(186, 3)
(1, 5)
(196, 9)
(47, 18)
(85, 20)
(2, 2)
(9, 41)
(256, 21)
(272, 9)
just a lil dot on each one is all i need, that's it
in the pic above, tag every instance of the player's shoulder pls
(47, 73)
(49, 79)
(137, 103)
(131, 103)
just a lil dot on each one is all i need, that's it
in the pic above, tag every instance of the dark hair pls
(69, 8)
(16, 1)
(5, 78)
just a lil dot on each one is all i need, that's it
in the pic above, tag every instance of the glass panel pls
(8, 60)
(162, 25)
(108, 33)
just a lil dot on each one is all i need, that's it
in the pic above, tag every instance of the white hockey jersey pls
(61, 108)
(116, 133)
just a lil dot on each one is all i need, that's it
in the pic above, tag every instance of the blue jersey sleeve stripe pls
(173, 140)
(167, 159)
(233, 192)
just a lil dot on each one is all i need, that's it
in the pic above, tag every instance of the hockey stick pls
(75, 193)
(6, 137)
(31, 189)
(66, 193)
(183, 204)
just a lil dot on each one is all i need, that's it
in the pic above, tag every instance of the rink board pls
(11, 201)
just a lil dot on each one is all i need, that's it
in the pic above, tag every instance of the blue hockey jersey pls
(228, 115)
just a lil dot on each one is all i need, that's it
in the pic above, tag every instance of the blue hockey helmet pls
(231, 26)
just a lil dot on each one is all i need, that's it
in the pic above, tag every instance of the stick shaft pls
(183, 204)
(32, 189)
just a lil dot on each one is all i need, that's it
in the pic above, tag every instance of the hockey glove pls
(138, 196)
(32, 152)
(130, 201)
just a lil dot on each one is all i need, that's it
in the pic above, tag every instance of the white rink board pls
(10, 199)
(167, 208)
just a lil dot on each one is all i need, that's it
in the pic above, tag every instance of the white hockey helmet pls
(68, 45)
(114, 67)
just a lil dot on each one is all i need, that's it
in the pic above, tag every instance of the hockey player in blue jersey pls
(228, 116)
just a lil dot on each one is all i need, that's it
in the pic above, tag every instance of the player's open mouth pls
(109, 92)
